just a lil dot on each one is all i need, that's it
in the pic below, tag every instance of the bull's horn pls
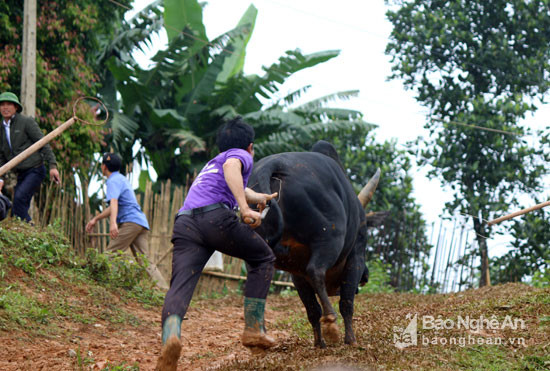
(368, 191)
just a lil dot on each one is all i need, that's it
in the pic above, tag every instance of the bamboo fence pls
(69, 207)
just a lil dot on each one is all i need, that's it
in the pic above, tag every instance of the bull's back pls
(317, 204)
(309, 184)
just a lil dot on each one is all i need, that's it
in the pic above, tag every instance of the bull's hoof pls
(170, 353)
(330, 328)
(350, 341)
(257, 339)
(321, 345)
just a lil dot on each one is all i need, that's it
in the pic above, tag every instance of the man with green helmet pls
(18, 133)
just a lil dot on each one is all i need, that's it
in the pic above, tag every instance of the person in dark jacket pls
(18, 133)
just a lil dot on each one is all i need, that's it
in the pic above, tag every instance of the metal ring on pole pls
(87, 122)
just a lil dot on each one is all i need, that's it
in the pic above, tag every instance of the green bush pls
(18, 308)
(542, 278)
(379, 277)
(115, 269)
(30, 248)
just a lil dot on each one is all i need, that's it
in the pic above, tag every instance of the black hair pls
(112, 161)
(235, 133)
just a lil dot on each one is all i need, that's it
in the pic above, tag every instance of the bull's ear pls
(368, 191)
(375, 219)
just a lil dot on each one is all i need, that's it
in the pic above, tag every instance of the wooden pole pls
(517, 213)
(36, 146)
(459, 254)
(460, 283)
(436, 253)
(243, 278)
(441, 257)
(451, 250)
(472, 263)
(28, 70)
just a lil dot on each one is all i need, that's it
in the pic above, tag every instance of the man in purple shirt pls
(206, 223)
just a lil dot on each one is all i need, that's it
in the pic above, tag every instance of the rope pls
(477, 127)
(80, 99)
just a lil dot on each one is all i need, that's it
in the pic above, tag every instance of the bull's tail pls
(274, 217)
(277, 216)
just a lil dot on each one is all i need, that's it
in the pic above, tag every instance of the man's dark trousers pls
(195, 239)
(28, 182)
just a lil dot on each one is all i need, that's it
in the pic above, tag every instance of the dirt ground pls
(212, 331)
(211, 337)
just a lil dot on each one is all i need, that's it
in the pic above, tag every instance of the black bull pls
(317, 230)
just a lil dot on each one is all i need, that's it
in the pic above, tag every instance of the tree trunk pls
(485, 279)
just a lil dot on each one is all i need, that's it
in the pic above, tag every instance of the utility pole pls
(28, 72)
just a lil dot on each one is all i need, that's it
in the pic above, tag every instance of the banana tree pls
(173, 109)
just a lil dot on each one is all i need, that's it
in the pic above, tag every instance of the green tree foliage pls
(400, 240)
(531, 252)
(173, 108)
(67, 40)
(481, 63)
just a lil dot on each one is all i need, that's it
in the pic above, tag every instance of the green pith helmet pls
(10, 97)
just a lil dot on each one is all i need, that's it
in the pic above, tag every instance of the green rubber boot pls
(171, 344)
(254, 328)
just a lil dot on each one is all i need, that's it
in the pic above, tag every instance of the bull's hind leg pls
(347, 296)
(316, 270)
(353, 272)
(313, 309)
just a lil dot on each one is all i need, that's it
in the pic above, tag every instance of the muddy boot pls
(254, 330)
(171, 344)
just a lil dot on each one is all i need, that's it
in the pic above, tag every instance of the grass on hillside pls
(45, 289)
(44, 284)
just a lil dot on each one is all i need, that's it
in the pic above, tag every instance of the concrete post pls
(28, 73)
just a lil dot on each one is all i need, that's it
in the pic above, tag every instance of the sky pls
(360, 30)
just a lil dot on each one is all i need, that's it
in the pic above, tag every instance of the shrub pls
(115, 269)
(541, 278)
(379, 277)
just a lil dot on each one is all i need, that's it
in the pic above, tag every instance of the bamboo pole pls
(517, 213)
(441, 258)
(46, 211)
(436, 253)
(472, 263)
(243, 278)
(451, 249)
(462, 270)
(414, 257)
(458, 253)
